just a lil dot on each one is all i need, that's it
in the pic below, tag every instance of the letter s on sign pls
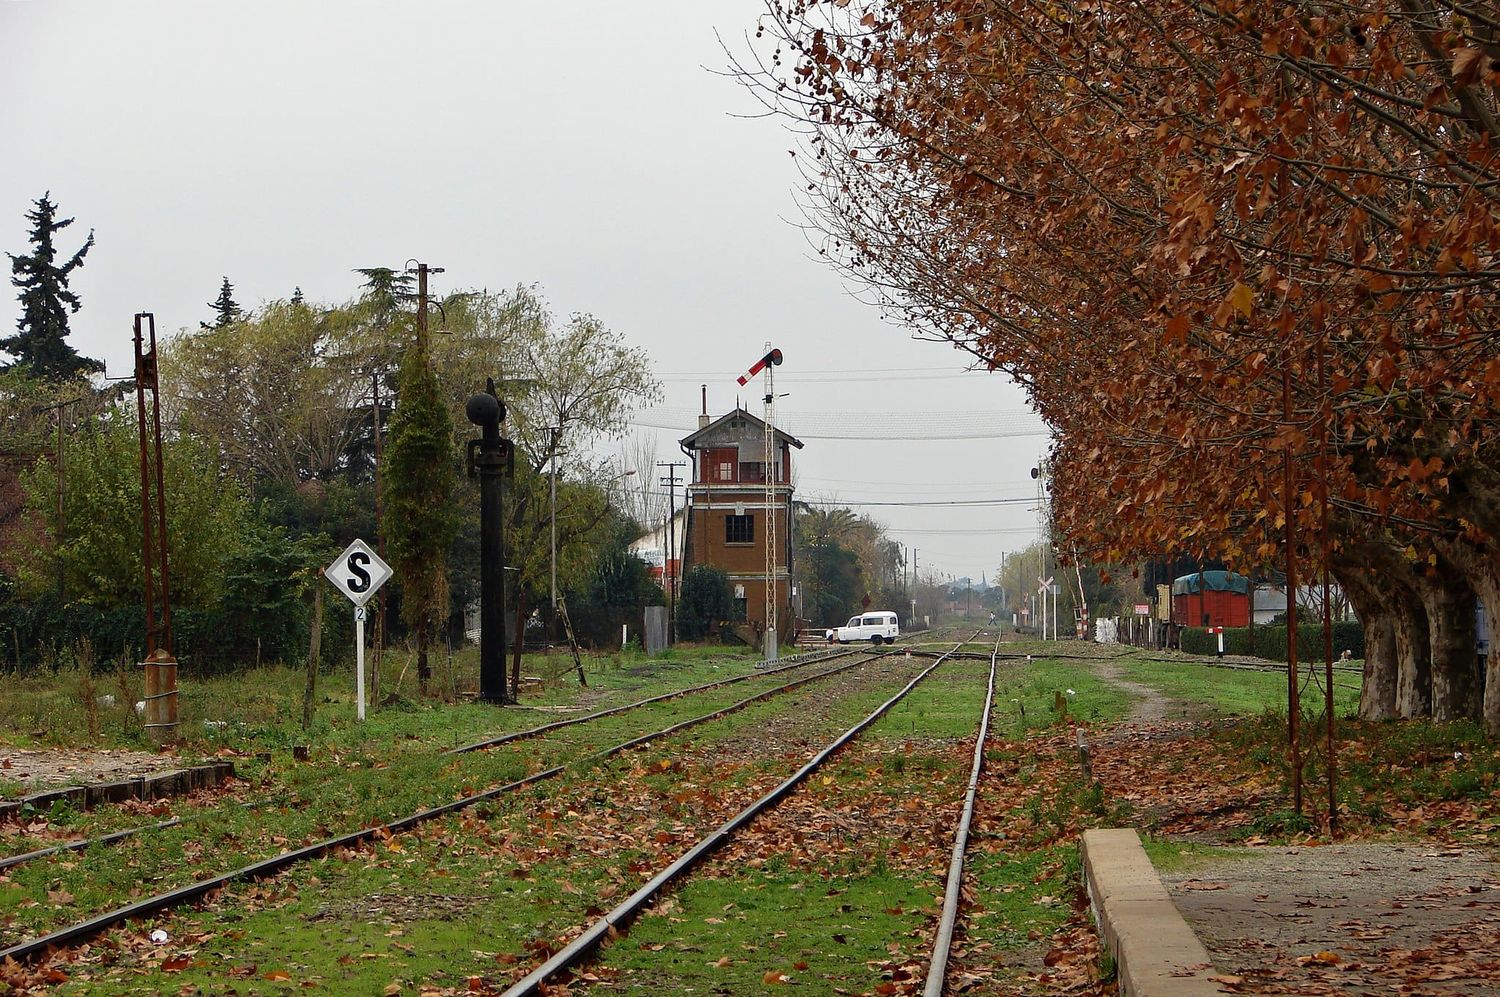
(359, 578)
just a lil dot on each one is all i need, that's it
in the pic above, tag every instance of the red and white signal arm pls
(358, 572)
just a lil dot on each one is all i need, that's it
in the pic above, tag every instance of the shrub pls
(706, 601)
(1269, 641)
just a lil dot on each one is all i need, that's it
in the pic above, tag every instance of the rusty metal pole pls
(160, 666)
(1293, 703)
(1324, 410)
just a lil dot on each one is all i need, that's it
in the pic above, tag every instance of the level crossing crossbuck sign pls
(358, 573)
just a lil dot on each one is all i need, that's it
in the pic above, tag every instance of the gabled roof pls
(692, 439)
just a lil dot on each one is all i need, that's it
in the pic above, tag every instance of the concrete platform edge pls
(1156, 954)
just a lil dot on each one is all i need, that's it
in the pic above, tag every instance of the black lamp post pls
(489, 458)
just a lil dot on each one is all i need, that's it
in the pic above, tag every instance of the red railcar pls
(1211, 599)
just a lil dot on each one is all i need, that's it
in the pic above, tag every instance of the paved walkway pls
(1359, 918)
(1368, 917)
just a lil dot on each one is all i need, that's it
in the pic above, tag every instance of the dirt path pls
(1152, 713)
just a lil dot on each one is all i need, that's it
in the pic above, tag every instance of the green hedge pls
(42, 633)
(1269, 642)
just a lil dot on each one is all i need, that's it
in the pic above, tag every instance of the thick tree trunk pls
(1393, 577)
(1481, 566)
(424, 667)
(1449, 602)
(1377, 697)
(1414, 661)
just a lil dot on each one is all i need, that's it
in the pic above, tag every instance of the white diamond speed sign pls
(358, 572)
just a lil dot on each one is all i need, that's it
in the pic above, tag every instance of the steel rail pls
(30, 949)
(1243, 666)
(937, 970)
(82, 843)
(580, 947)
(495, 742)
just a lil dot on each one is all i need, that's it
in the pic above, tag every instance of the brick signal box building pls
(728, 512)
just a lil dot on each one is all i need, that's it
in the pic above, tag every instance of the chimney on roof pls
(703, 416)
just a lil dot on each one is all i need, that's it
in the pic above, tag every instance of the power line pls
(840, 374)
(840, 503)
(977, 424)
(966, 533)
(800, 477)
(913, 503)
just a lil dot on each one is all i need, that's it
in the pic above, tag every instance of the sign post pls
(1043, 587)
(358, 573)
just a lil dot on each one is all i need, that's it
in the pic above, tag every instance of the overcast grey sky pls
(589, 148)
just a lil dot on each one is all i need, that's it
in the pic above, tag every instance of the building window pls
(739, 529)
(726, 470)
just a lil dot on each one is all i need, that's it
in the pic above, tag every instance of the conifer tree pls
(226, 310)
(40, 343)
(419, 519)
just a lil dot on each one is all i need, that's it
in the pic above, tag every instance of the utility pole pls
(375, 421)
(59, 458)
(422, 271)
(668, 569)
(556, 432)
(916, 583)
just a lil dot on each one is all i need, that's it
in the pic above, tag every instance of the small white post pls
(359, 660)
(624, 635)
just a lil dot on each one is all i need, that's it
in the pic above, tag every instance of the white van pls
(873, 627)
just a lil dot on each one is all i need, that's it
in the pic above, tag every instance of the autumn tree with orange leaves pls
(1224, 246)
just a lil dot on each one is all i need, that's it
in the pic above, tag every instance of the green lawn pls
(1237, 691)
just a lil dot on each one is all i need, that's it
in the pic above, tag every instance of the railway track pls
(190, 893)
(583, 945)
(803, 660)
(807, 658)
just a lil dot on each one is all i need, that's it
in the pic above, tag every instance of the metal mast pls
(772, 652)
(768, 363)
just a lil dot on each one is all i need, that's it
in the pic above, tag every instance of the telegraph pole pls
(669, 573)
(379, 534)
(60, 458)
(556, 432)
(916, 583)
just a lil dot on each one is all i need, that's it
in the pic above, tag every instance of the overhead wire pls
(975, 424)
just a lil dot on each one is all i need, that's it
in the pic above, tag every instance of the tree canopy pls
(40, 344)
(1242, 255)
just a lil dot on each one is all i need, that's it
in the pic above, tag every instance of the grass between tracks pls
(533, 869)
(858, 857)
(261, 709)
(282, 804)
